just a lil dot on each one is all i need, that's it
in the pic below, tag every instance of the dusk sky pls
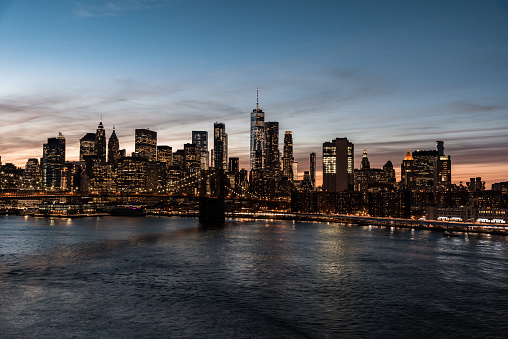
(388, 75)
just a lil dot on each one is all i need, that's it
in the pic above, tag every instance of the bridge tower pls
(211, 208)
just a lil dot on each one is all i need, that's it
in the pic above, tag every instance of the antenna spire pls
(257, 98)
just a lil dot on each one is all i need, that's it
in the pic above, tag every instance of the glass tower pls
(257, 136)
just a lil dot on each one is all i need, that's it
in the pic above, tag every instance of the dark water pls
(166, 277)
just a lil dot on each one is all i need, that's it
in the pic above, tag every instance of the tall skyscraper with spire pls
(257, 137)
(113, 149)
(100, 142)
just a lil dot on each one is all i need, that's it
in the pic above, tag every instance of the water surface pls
(167, 277)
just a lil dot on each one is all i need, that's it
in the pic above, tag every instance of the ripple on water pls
(119, 277)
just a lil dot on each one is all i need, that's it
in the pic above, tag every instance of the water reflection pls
(121, 277)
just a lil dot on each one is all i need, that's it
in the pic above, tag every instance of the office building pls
(424, 168)
(312, 169)
(192, 158)
(338, 165)
(257, 137)
(288, 158)
(113, 149)
(407, 174)
(86, 146)
(220, 147)
(53, 158)
(11, 177)
(442, 168)
(146, 143)
(32, 176)
(272, 153)
(476, 184)
(100, 143)
(132, 174)
(200, 138)
(165, 155)
(178, 159)
(234, 165)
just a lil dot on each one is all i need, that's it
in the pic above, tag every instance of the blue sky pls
(388, 75)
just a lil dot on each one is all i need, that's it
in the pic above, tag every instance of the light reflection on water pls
(136, 277)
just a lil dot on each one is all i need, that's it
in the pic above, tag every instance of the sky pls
(387, 75)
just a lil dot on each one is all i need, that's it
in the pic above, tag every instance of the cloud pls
(461, 107)
(91, 9)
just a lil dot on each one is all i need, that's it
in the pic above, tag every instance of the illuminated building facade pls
(374, 179)
(178, 159)
(220, 147)
(234, 165)
(32, 176)
(312, 169)
(424, 168)
(407, 173)
(442, 168)
(192, 158)
(338, 165)
(53, 158)
(257, 137)
(100, 143)
(288, 158)
(165, 155)
(132, 174)
(272, 153)
(113, 149)
(101, 180)
(146, 143)
(86, 146)
(200, 139)
(11, 177)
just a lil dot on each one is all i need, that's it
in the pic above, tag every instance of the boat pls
(127, 211)
(450, 234)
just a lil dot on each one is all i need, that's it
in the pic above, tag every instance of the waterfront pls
(152, 277)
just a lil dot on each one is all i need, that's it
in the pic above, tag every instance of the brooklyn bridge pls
(210, 194)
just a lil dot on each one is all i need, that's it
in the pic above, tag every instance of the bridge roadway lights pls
(211, 211)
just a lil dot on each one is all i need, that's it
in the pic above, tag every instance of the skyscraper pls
(32, 176)
(192, 158)
(312, 159)
(86, 146)
(424, 168)
(234, 165)
(146, 143)
(53, 158)
(442, 167)
(257, 136)
(407, 173)
(200, 139)
(113, 149)
(288, 158)
(338, 165)
(165, 155)
(272, 154)
(100, 142)
(220, 147)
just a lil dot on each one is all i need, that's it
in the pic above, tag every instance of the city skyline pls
(386, 76)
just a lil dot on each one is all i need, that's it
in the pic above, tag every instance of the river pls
(167, 277)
